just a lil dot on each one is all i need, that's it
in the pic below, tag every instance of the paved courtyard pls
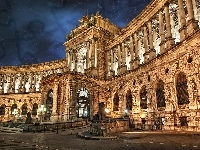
(64, 140)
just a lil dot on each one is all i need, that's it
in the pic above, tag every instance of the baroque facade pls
(150, 68)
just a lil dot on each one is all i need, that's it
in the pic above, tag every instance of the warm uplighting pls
(41, 112)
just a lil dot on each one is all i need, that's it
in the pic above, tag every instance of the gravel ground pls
(64, 140)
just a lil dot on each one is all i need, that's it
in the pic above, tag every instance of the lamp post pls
(108, 113)
(41, 112)
(15, 112)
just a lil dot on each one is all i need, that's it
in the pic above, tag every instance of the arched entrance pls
(129, 100)
(143, 98)
(116, 102)
(83, 103)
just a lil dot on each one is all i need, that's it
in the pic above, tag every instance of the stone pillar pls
(1, 84)
(192, 24)
(123, 61)
(88, 55)
(92, 50)
(169, 39)
(136, 60)
(131, 52)
(55, 101)
(31, 82)
(161, 32)
(112, 63)
(152, 52)
(182, 30)
(119, 58)
(146, 53)
(96, 46)
(108, 63)
(12, 84)
(69, 61)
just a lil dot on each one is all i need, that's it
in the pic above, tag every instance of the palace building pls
(149, 70)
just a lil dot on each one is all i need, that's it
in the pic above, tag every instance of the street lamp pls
(126, 112)
(107, 111)
(15, 112)
(41, 112)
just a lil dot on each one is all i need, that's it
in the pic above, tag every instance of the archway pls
(49, 104)
(14, 109)
(181, 89)
(160, 97)
(24, 109)
(116, 102)
(83, 103)
(129, 100)
(143, 98)
(2, 109)
(34, 109)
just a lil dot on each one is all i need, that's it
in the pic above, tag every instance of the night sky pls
(33, 31)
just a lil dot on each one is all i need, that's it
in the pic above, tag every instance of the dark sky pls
(33, 31)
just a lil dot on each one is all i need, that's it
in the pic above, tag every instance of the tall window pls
(143, 98)
(160, 94)
(181, 89)
(129, 100)
(2, 109)
(116, 102)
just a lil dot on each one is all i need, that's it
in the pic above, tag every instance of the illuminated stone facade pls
(149, 68)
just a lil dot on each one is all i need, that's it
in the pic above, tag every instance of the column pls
(68, 61)
(112, 62)
(136, 61)
(131, 52)
(123, 67)
(31, 80)
(182, 30)
(2, 84)
(152, 53)
(161, 32)
(96, 52)
(123, 55)
(92, 50)
(146, 54)
(55, 92)
(108, 63)
(192, 24)
(76, 62)
(169, 39)
(88, 55)
(119, 58)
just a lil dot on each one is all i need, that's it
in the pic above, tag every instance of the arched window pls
(129, 100)
(14, 109)
(83, 103)
(49, 104)
(24, 109)
(160, 94)
(34, 110)
(143, 98)
(181, 89)
(2, 109)
(116, 102)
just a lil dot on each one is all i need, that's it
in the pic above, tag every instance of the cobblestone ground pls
(64, 140)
